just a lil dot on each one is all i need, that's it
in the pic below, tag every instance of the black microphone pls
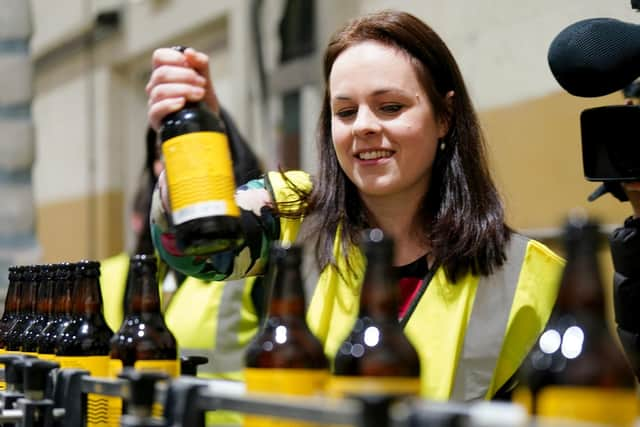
(595, 57)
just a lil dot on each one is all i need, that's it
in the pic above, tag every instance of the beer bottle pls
(285, 357)
(27, 309)
(144, 341)
(43, 309)
(200, 180)
(60, 312)
(576, 369)
(11, 303)
(376, 357)
(85, 340)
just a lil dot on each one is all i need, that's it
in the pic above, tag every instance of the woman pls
(400, 149)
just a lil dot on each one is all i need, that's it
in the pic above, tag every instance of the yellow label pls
(200, 176)
(3, 385)
(98, 406)
(341, 386)
(51, 357)
(606, 406)
(169, 367)
(299, 382)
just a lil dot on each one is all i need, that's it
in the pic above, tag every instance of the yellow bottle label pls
(3, 384)
(200, 176)
(169, 367)
(342, 386)
(605, 406)
(98, 406)
(51, 357)
(298, 382)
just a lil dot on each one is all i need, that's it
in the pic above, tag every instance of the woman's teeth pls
(372, 155)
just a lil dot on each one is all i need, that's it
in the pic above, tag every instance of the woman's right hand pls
(178, 77)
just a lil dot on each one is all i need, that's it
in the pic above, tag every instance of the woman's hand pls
(176, 78)
(633, 192)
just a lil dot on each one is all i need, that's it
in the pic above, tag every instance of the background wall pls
(89, 104)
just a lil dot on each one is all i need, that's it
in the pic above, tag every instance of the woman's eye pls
(391, 108)
(347, 112)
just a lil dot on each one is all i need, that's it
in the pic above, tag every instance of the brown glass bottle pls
(200, 180)
(285, 357)
(576, 369)
(376, 353)
(87, 334)
(27, 309)
(144, 341)
(10, 303)
(84, 343)
(44, 304)
(60, 312)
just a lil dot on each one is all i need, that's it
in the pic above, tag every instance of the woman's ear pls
(445, 120)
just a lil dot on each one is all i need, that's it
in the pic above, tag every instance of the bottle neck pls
(28, 299)
(10, 305)
(581, 287)
(379, 293)
(287, 295)
(144, 295)
(45, 298)
(87, 300)
(59, 297)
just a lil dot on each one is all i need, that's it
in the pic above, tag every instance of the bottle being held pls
(576, 370)
(200, 180)
(285, 357)
(143, 341)
(376, 357)
(85, 341)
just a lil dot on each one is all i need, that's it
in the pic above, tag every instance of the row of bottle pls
(576, 370)
(55, 312)
(376, 357)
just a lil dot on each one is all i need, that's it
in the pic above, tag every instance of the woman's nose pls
(366, 123)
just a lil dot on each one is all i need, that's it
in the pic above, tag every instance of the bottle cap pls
(285, 253)
(31, 273)
(87, 268)
(64, 271)
(375, 243)
(144, 262)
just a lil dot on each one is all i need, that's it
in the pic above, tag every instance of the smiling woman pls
(401, 150)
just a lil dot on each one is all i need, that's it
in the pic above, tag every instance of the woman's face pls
(383, 126)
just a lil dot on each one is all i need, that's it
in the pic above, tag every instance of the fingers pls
(177, 78)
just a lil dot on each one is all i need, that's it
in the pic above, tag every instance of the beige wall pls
(63, 227)
(89, 107)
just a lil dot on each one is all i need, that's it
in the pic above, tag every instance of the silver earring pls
(443, 144)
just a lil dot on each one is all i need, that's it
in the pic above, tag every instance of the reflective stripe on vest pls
(491, 308)
(227, 355)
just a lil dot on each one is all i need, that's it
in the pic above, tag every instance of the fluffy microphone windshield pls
(595, 57)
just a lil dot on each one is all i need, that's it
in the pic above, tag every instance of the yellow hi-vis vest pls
(471, 336)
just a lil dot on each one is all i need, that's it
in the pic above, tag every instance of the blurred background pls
(73, 105)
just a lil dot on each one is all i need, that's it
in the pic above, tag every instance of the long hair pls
(463, 215)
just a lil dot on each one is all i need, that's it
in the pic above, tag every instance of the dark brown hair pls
(462, 211)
